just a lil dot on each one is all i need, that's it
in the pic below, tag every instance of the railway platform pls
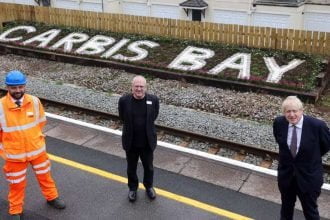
(89, 167)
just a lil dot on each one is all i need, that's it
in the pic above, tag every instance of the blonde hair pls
(292, 101)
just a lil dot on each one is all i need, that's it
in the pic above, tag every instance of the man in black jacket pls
(302, 141)
(138, 111)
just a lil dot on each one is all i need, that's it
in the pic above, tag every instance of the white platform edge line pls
(178, 148)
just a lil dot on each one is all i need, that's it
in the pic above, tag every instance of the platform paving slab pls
(72, 133)
(324, 204)
(261, 186)
(169, 160)
(216, 173)
(108, 143)
(51, 123)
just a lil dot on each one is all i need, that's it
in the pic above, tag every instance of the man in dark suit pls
(302, 140)
(138, 111)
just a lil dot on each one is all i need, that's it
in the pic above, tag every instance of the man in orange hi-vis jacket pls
(22, 142)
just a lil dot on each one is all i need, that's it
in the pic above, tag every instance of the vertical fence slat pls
(213, 32)
(296, 40)
(267, 37)
(254, 39)
(290, 40)
(261, 37)
(308, 45)
(225, 29)
(327, 44)
(316, 42)
(233, 34)
(321, 42)
(302, 40)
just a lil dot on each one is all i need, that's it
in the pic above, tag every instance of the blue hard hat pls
(15, 78)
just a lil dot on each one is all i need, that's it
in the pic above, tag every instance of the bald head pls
(139, 79)
(139, 87)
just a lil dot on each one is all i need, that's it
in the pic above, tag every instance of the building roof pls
(280, 2)
(194, 4)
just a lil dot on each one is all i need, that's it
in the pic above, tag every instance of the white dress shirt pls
(299, 126)
(14, 100)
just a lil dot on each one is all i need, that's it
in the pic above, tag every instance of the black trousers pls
(147, 157)
(308, 202)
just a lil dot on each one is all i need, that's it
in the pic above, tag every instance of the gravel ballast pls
(243, 117)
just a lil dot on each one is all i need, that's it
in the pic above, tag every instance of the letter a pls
(243, 66)
(44, 38)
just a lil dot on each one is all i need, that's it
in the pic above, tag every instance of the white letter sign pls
(115, 48)
(95, 45)
(44, 38)
(69, 40)
(243, 66)
(277, 72)
(134, 47)
(192, 58)
(3, 36)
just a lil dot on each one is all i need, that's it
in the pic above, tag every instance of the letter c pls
(3, 36)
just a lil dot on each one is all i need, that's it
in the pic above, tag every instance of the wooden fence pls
(259, 37)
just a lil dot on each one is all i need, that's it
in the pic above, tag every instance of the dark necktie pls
(293, 146)
(18, 103)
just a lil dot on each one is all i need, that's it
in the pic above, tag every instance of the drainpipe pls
(251, 9)
(149, 7)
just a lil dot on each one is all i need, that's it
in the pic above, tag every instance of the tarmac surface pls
(89, 168)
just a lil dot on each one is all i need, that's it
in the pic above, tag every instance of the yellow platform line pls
(169, 195)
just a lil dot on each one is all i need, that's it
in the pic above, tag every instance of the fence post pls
(1, 19)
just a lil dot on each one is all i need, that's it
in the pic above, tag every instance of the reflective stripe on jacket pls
(21, 134)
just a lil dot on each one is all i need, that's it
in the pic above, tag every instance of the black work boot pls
(132, 195)
(57, 203)
(151, 193)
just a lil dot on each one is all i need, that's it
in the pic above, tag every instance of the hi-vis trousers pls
(15, 173)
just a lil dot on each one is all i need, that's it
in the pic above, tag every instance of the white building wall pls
(85, 5)
(135, 8)
(91, 6)
(230, 4)
(24, 2)
(230, 17)
(314, 21)
(112, 6)
(165, 11)
(271, 20)
(68, 4)
(317, 17)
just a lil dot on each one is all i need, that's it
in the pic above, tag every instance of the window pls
(196, 15)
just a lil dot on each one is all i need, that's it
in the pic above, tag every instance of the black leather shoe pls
(57, 203)
(132, 196)
(15, 217)
(151, 193)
